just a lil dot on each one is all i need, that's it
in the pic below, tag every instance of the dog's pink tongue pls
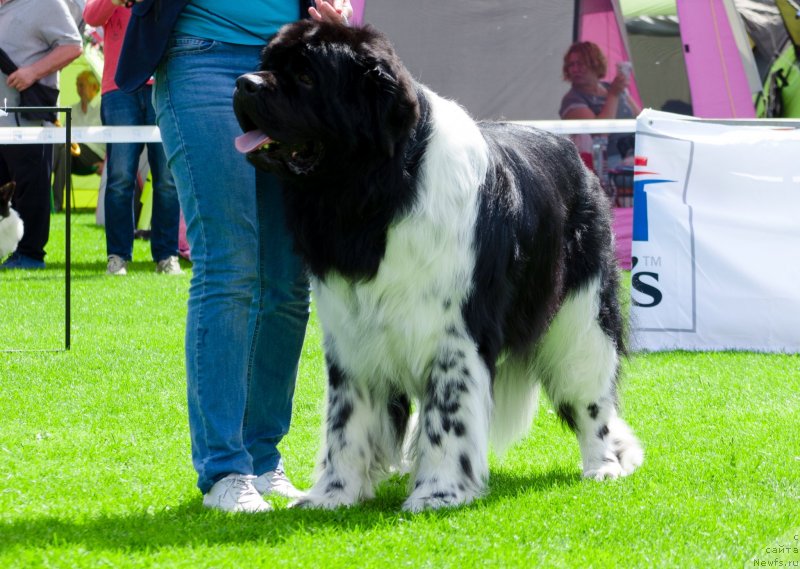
(249, 141)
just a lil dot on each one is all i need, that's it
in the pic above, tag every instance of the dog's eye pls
(305, 79)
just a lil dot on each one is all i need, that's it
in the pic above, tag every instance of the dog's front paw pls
(621, 456)
(310, 502)
(329, 495)
(426, 497)
(609, 469)
(629, 453)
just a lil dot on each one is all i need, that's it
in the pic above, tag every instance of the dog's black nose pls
(249, 83)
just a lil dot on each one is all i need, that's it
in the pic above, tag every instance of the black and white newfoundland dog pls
(456, 267)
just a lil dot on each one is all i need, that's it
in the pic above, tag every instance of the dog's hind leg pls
(579, 364)
(516, 399)
(363, 439)
(452, 443)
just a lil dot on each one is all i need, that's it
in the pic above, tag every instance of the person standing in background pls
(87, 157)
(249, 295)
(591, 98)
(40, 37)
(119, 108)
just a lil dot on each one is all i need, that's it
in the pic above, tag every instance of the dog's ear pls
(379, 74)
(396, 100)
(7, 192)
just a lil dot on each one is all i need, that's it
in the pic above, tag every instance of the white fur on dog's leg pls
(580, 379)
(327, 501)
(437, 498)
(623, 453)
(610, 469)
(452, 445)
(330, 493)
(625, 445)
(347, 451)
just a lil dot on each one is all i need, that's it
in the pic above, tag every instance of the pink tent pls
(719, 63)
(715, 60)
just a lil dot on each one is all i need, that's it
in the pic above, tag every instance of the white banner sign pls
(716, 235)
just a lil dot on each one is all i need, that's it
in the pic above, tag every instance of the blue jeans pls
(249, 294)
(118, 108)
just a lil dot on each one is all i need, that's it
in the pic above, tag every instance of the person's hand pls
(126, 3)
(22, 78)
(333, 11)
(619, 84)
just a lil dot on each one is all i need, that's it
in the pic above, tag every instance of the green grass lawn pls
(95, 468)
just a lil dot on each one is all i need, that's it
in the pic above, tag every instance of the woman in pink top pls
(118, 108)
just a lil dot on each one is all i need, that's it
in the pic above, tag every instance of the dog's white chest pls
(390, 327)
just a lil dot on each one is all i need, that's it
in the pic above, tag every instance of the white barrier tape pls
(594, 126)
(54, 135)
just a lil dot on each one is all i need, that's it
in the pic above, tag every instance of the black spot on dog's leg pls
(593, 410)
(466, 467)
(601, 434)
(446, 364)
(567, 414)
(341, 416)
(335, 375)
(435, 437)
(334, 485)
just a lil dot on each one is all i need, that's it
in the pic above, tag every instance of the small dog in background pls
(11, 228)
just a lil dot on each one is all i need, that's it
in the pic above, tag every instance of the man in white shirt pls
(39, 37)
(87, 157)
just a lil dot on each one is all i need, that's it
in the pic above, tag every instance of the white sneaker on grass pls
(276, 482)
(235, 493)
(117, 265)
(169, 266)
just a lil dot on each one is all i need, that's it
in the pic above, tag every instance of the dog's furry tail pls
(516, 400)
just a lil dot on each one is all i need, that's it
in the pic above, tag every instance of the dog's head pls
(324, 97)
(11, 227)
(6, 192)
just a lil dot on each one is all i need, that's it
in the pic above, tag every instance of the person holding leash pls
(249, 294)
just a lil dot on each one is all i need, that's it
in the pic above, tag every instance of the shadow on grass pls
(191, 525)
(85, 270)
(98, 268)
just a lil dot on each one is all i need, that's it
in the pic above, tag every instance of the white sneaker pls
(276, 482)
(169, 266)
(235, 493)
(117, 265)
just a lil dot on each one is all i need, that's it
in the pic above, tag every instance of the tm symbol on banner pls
(649, 261)
(646, 282)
